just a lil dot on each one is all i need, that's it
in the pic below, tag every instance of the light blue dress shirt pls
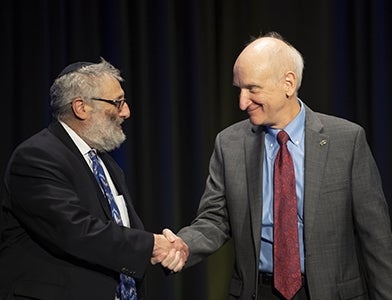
(296, 146)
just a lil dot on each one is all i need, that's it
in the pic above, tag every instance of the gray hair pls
(84, 82)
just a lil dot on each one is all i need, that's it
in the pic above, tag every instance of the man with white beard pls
(68, 229)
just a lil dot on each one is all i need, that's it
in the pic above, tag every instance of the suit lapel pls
(119, 184)
(107, 160)
(316, 150)
(80, 164)
(254, 149)
(118, 180)
(58, 130)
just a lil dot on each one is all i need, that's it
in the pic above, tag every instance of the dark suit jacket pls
(58, 240)
(347, 230)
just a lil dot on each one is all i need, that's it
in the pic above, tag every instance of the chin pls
(256, 121)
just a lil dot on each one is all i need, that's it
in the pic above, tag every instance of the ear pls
(290, 83)
(79, 108)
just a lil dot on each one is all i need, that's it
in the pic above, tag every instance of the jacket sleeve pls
(210, 229)
(372, 221)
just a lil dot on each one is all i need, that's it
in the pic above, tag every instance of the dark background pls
(177, 58)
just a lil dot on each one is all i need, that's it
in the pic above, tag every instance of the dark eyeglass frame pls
(117, 103)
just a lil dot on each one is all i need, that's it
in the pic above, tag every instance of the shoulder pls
(238, 129)
(340, 132)
(41, 141)
(331, 121)
(330, 124)
(43, 149)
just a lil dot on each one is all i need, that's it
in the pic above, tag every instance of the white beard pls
(103, 134)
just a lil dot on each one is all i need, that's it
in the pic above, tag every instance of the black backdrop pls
(177, 59)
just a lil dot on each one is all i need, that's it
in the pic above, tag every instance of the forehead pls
(250, 69)
(110, 85)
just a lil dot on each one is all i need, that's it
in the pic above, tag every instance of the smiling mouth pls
(249, 110)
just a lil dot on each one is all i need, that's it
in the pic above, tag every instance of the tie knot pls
(282, 137)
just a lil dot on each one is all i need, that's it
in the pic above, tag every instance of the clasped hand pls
(169, 250)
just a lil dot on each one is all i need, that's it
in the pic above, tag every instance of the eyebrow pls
(248, 86)
(252, 86)
(120, 97)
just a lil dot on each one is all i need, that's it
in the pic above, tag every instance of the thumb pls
(171, 237)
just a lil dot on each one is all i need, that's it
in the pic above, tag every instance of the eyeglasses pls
(117, 103)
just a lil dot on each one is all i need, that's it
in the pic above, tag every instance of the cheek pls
(259, 99)
(111, 116)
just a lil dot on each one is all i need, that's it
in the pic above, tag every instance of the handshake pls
(170, 251)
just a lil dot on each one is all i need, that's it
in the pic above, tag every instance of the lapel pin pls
(323, 142)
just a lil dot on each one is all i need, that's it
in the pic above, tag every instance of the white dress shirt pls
(84, 149)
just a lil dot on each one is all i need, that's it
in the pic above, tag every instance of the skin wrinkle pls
(269, 100)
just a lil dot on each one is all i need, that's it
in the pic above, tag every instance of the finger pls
(177, 259)
(184, 256)
(158, 256)
(182, 261)
(169, 258)
(154, 260)
(179, 267)
(169, 235)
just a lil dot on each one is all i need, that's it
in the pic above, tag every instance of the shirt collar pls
(295, 129)
(79, 142)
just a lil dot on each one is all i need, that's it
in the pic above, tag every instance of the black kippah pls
(74, 67)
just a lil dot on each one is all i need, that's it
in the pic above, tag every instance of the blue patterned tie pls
(126, 290)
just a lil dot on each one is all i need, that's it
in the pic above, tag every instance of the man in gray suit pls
(344, 230)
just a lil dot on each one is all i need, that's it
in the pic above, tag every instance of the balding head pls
(268, 73)
(273, 53)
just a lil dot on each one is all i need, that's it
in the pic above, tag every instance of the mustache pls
(115, 119)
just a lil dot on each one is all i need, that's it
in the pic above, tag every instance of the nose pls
(125, 111)
(244, 100)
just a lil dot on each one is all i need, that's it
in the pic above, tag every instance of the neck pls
(288, 115)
